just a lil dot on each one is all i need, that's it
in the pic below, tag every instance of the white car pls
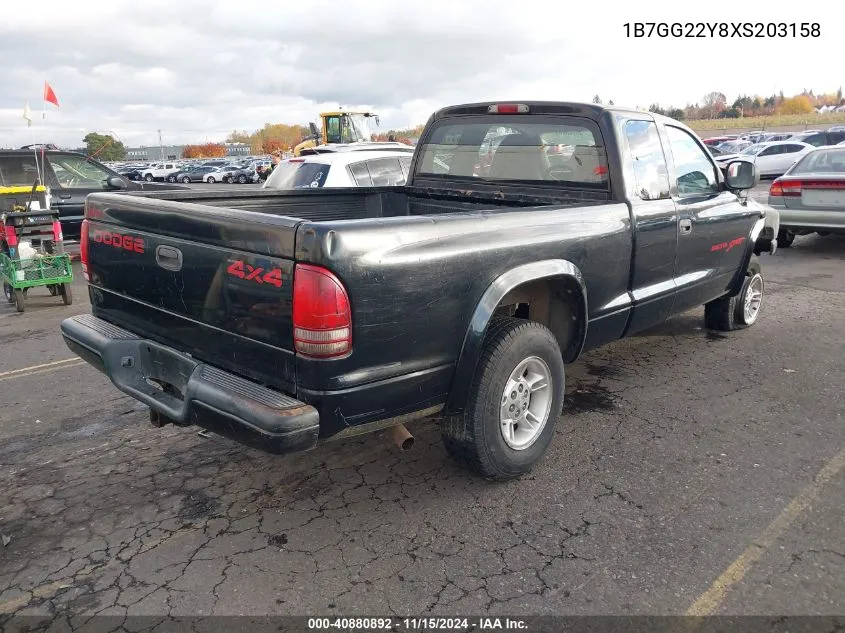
(772, 159)
(376, 168)
(222, 173)
(160, 171)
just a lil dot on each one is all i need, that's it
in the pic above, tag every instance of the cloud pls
(197, 70)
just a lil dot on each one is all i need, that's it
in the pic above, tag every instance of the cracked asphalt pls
(675, 451)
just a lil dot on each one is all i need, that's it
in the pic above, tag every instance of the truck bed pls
(325, 205)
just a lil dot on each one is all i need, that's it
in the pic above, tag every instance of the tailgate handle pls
(169, 258)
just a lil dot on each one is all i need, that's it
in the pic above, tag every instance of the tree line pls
(282, 136)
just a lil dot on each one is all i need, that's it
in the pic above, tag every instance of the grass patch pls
(821, 121)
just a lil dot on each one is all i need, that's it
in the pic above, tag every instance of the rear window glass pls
(824, 161)
(520, 148)
(18, 171)
(290, 175)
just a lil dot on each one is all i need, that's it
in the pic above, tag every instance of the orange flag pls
(49, 95)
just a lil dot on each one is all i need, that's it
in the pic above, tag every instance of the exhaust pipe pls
(401, 437)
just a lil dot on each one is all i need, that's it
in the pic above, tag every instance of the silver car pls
(810, 196)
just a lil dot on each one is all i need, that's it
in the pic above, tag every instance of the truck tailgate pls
(212, 282)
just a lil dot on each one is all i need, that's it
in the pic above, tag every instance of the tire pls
(785, 238)
(186, 180)
(476, 438)
(9, 293)
(67, 293)
(242, 179)
(149, 178)
(20, 300)
(211, 180)
(52, 290)
(727, 314)
(171, 179)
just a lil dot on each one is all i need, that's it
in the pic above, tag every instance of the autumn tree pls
(103, 147)
(714, 103)
(205, 150)
(799, 104)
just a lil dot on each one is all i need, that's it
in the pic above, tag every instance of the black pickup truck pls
(527, 234)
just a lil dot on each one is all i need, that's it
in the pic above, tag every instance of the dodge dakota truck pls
(526, 234)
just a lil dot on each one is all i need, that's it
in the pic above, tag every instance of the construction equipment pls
(338, 128)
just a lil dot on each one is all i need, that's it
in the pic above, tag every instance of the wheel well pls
(557, 303)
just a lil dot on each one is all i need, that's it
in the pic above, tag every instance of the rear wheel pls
(67, 293)
(242, 179)
(186, 180)
(514, 403)
(20, 300)
(9, 293)
(211, 180)
(148, 178)
(785, 238)
(171, 179)
(735, 313)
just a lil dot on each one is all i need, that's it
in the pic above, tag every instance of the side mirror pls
(741, 174)
(313, 128)
(116, 182)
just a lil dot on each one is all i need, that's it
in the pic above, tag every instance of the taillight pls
(322, 320)
(786, 188)
(508, 108)
(600, 171)
(83, 249)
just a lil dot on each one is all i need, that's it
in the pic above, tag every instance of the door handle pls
(686, 226)
(169, 258)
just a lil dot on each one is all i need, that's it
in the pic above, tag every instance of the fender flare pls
(484, 310)
(739, 275)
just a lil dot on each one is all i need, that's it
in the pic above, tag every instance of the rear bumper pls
(195, 393)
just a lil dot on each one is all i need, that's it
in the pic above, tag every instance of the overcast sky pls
(197, 70)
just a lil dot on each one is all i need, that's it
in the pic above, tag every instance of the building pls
(154, 152)
(238, 149)
(174, 152)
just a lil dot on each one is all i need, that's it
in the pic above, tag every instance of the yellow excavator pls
(338, 128)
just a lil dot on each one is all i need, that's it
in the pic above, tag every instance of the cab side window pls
(695, 172)
(77, 172)
(649, 162)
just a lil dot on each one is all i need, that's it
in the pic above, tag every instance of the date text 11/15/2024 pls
(722, 29)
(416, 624)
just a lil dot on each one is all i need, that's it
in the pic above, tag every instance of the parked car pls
(241, 174)
(131, 173)
(385, 168)
(71, 176)
(194, 174)
(218, 173)
(282, 318)
(734, 147)
(716, 140)
(810, 196)
(818, 138)
(772, 159)
(160, 171)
